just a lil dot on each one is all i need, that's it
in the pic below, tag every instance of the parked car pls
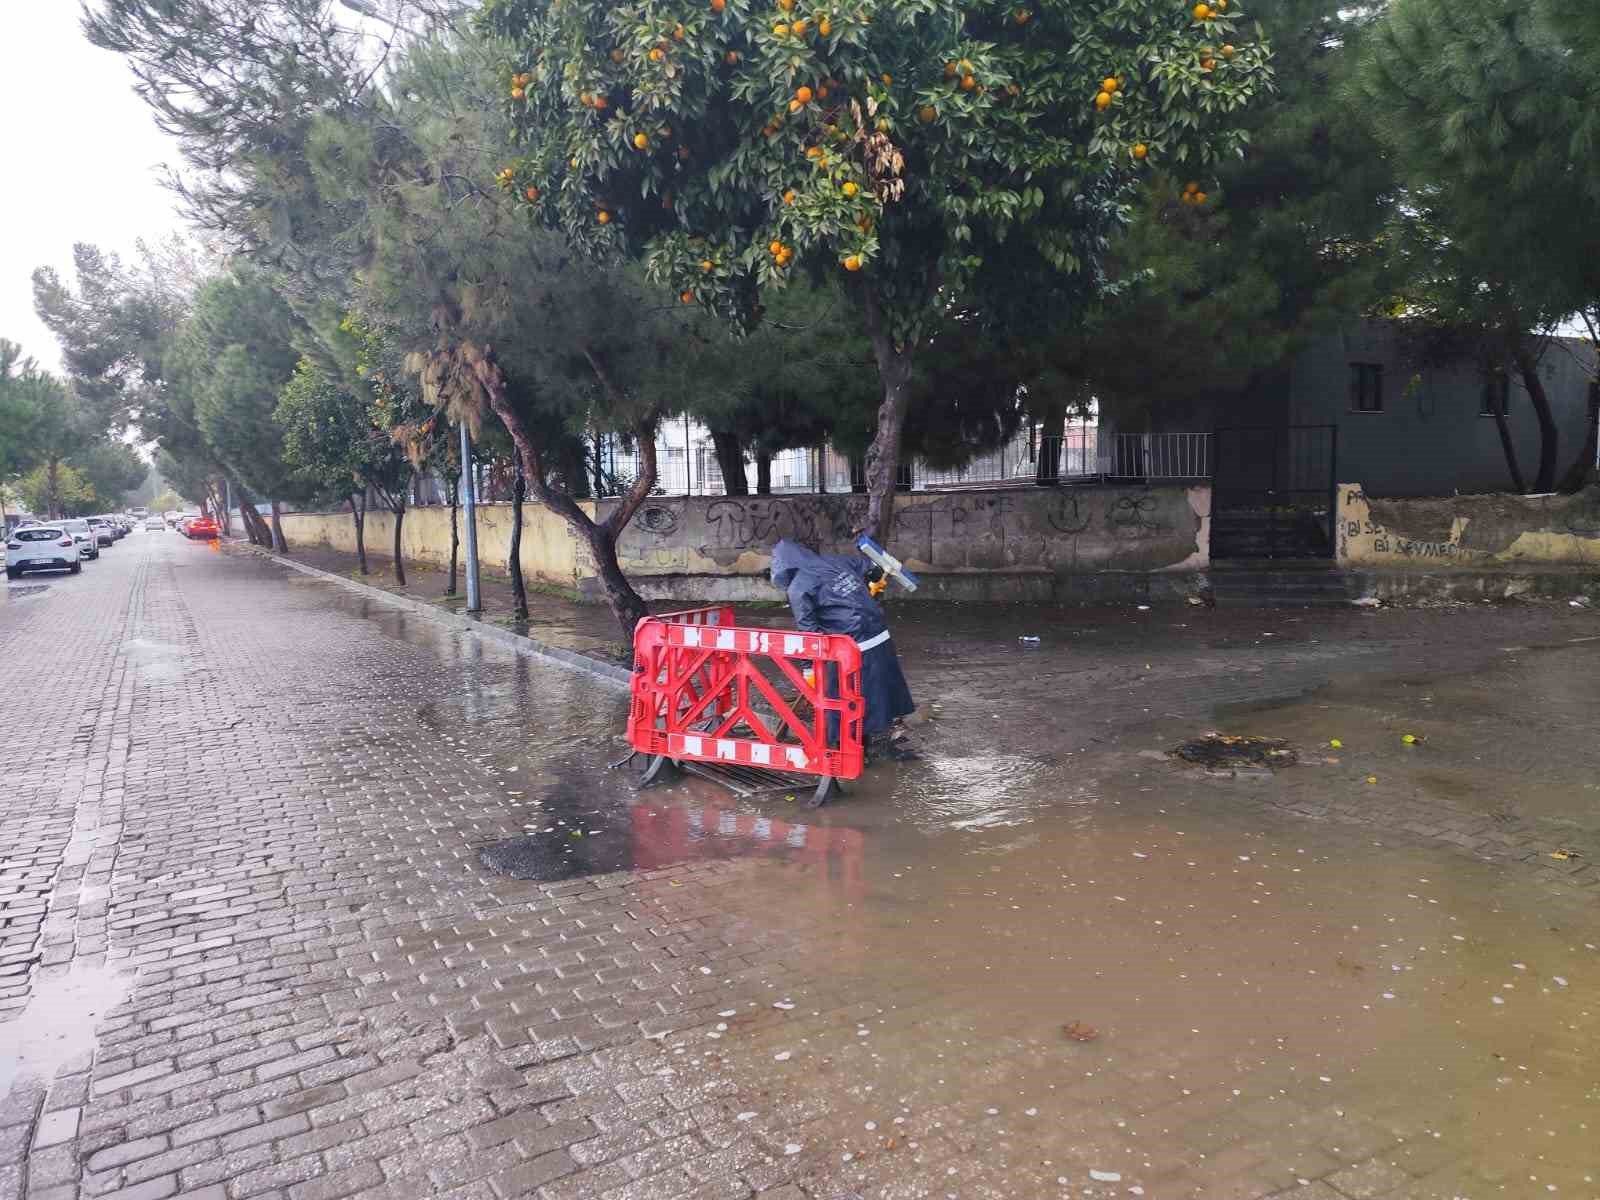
(88, 544)
(41, 548)
(103, 532)
(154, 524)
(201, 527)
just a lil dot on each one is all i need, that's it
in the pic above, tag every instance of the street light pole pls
(470, 506)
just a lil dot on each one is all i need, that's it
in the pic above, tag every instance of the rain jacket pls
(827, 593)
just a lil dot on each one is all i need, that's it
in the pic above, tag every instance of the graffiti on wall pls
(1051, 528)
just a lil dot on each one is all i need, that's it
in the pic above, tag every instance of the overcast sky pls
(81, 159)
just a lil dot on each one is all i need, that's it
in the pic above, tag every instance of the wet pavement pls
(306, 896)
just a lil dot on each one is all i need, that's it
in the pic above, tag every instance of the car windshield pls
(37, 535)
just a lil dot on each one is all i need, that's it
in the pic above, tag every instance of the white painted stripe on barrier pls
(691, 635)
(761, 754)
(796, 757)
(691, 745)
(793, 644)
(725, 749)
(879, 640)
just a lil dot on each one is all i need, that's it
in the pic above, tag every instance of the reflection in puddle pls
(647, 836)
(59, 1022)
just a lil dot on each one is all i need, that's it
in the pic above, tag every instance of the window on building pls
(1366, 387)
(1496, 400)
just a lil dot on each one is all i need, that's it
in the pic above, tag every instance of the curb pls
(611, 673)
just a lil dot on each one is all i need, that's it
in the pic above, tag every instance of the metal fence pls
(1080, 454)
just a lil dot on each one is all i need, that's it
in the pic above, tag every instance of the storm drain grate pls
(747, 781)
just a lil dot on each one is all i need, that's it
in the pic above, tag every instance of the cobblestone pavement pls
(250, 948)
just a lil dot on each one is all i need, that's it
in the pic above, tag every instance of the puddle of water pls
(21, 591)
(58, 1024)
(1226, 971)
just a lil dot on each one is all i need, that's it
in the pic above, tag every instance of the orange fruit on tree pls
(603, 217)
(1141, 150)
(795, 106)
(731, 57)
(600, 104)
(707, 265)
(641, 141)
(780, 30)
(799, 28)
(617, 55)
(1202, 12)
(1227, 52)
(718, 5)
(950, 70)
(517, 93)
(824, 27)
(1022, 16)
(1208, 64)
(850, 187)
(852, 262)
(531, 193)
(786, 5)
(686, 296)
(803, 94)
(775, 248)
(788, 196)
(1102, 100)
(886, 78)
(813, 151)
(927, 114)
(657, 54)
(1108, 84)
(968, 83)
(677, 33)
(822, 91)
(1199, 197)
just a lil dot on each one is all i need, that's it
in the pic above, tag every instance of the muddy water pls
(1244, 987)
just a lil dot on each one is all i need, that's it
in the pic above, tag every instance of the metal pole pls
(470, 507)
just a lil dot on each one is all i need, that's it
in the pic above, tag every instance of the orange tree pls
(944, 156)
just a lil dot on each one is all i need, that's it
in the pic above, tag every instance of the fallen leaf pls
(1077, 1031)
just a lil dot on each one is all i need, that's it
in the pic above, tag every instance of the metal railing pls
(1080, 454)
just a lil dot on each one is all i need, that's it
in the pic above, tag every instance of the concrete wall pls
(1039, 544)
(1469, 531)
(548, 549)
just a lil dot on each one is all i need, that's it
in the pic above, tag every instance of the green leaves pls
(954, 120)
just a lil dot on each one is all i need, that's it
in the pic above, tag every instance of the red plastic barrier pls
(697, 677)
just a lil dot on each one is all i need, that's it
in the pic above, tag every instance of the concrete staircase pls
(1268, 533)
(1280, 583)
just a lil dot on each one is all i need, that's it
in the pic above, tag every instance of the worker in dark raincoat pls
(830, 594)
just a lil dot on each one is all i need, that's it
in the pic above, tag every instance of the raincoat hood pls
(789, 558)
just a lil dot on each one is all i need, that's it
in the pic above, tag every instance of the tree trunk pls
(519, 587)
(1583, 466)
(730, 461)
(359, 516)
(279, 542)
(883, 455)
(455, 534)
(1052, 429)
(763, 473)
(399, 511)
(255, 528)
(626, 605)
(1510, 449)
(1549, 432)
(52, 496)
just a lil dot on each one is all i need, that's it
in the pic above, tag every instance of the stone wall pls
(1038, 544)
(1469, 531)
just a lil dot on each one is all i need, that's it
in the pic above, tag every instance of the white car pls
(42, 548)
(154, 523)
(88, 544)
